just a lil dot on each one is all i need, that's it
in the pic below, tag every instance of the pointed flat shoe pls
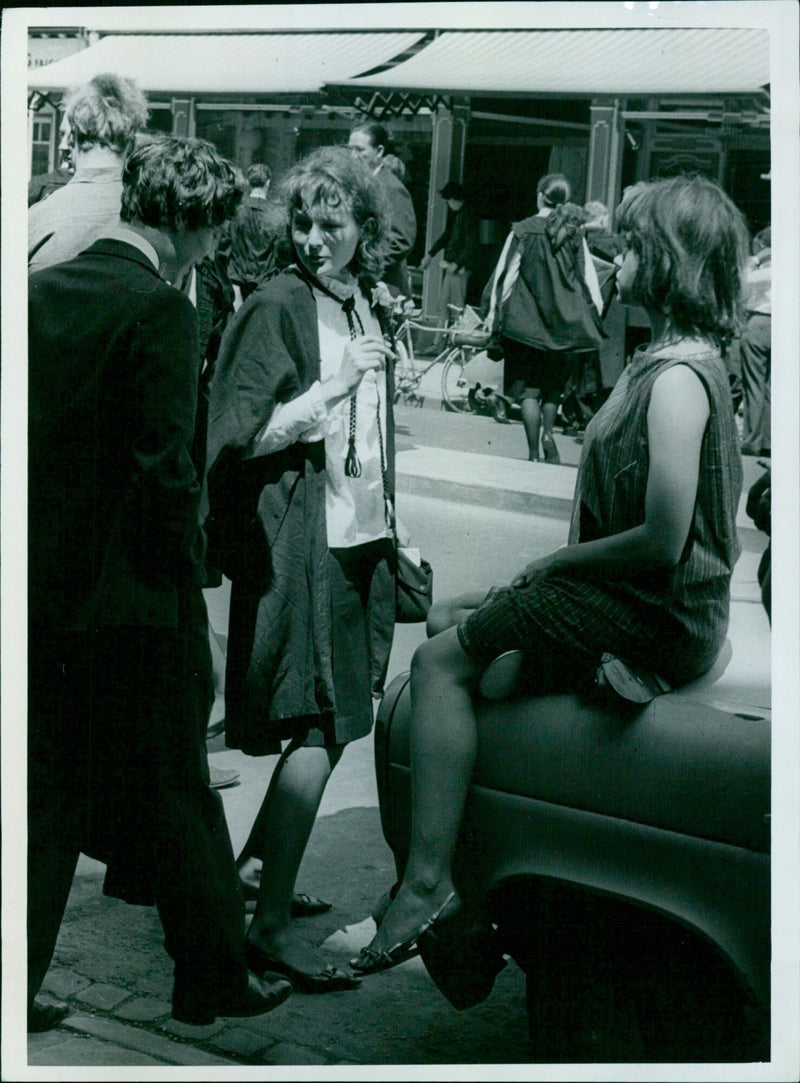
(370, 961)
(328, 980)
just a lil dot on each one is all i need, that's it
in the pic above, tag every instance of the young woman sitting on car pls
(646, 574)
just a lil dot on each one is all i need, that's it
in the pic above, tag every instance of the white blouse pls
(355, 507)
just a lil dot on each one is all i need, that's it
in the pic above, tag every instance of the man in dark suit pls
(370, 141)
(119, 665)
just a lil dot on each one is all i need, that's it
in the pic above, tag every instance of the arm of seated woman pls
(676, 422)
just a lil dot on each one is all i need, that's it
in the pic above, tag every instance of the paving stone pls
(245, 1043)
(198, 1034)
(86, 1052)
(143, 1010)
(104, 996)
(288, 1053)
(143, 1041)
(63, 983)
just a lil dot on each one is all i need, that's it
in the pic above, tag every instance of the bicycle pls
(464, 338)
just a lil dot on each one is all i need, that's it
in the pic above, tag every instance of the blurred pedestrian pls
(301, 467)
(756, 348)
(119, 667)
(545, 304)
(254, 235)
(642, 588)
(370, 141)
(458, 244)
(101, 120)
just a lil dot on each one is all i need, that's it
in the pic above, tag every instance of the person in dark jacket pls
(370, 141)
(119, 664)
(544, 309)
(458, 245)
(253, 235)
(300, 482)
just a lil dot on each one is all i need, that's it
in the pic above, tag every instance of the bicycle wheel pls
(455, 393)
(406, 377)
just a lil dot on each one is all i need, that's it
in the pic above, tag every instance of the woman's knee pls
(442, 660)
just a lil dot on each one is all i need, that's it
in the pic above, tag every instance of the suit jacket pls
(402, 229)
(113, 491)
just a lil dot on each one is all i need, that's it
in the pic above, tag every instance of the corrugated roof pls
(674, 61)
(226, 63)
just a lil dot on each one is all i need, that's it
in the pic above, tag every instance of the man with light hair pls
(101, 120)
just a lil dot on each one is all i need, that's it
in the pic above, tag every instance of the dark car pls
(621, 857)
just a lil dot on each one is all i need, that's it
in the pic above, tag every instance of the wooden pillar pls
(447, 163)
(605, 152)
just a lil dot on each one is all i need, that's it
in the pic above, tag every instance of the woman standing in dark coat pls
(300, 479)
(548, 313)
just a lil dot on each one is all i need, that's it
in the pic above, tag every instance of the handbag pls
(413, 577)
(414, 588)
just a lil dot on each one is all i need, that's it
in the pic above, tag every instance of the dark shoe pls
(328, 980)
(303, 906)
(463, 958)
(499, 410)
(215, 729)
(42, 1016)
(632, 683)
(550, 450)
(306, 906)
(260, 995)
(220, 779)
(370, 961)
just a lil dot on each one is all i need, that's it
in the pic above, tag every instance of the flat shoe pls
(42, 1016)
(370, 961)
(303, 906)
(328, 980)
(219, 779)
(306, 906)
(262, 994)
(383, 904)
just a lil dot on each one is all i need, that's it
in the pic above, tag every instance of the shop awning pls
(623, 62)
(262, 63)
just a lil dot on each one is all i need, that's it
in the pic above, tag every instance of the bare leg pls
(549, 411)
(280, 835)
(443, 748)
(531, 419)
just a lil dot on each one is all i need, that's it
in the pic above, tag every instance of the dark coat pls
(402, 229)
(267, 526)
(113, 491)
(459, 240)
(550, 306)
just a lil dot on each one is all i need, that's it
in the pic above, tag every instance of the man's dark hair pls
(377, 134)
(170, 178)
(258, 175)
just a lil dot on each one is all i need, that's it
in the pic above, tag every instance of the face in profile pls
(628, 266)
(325, 238)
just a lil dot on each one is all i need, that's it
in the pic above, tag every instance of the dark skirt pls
(362, 603)
(529, 367)
(565, 624)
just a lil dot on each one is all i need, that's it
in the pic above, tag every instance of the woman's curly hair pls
(107, 111)
(334, 176)
(691, 242)
(171, 178)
